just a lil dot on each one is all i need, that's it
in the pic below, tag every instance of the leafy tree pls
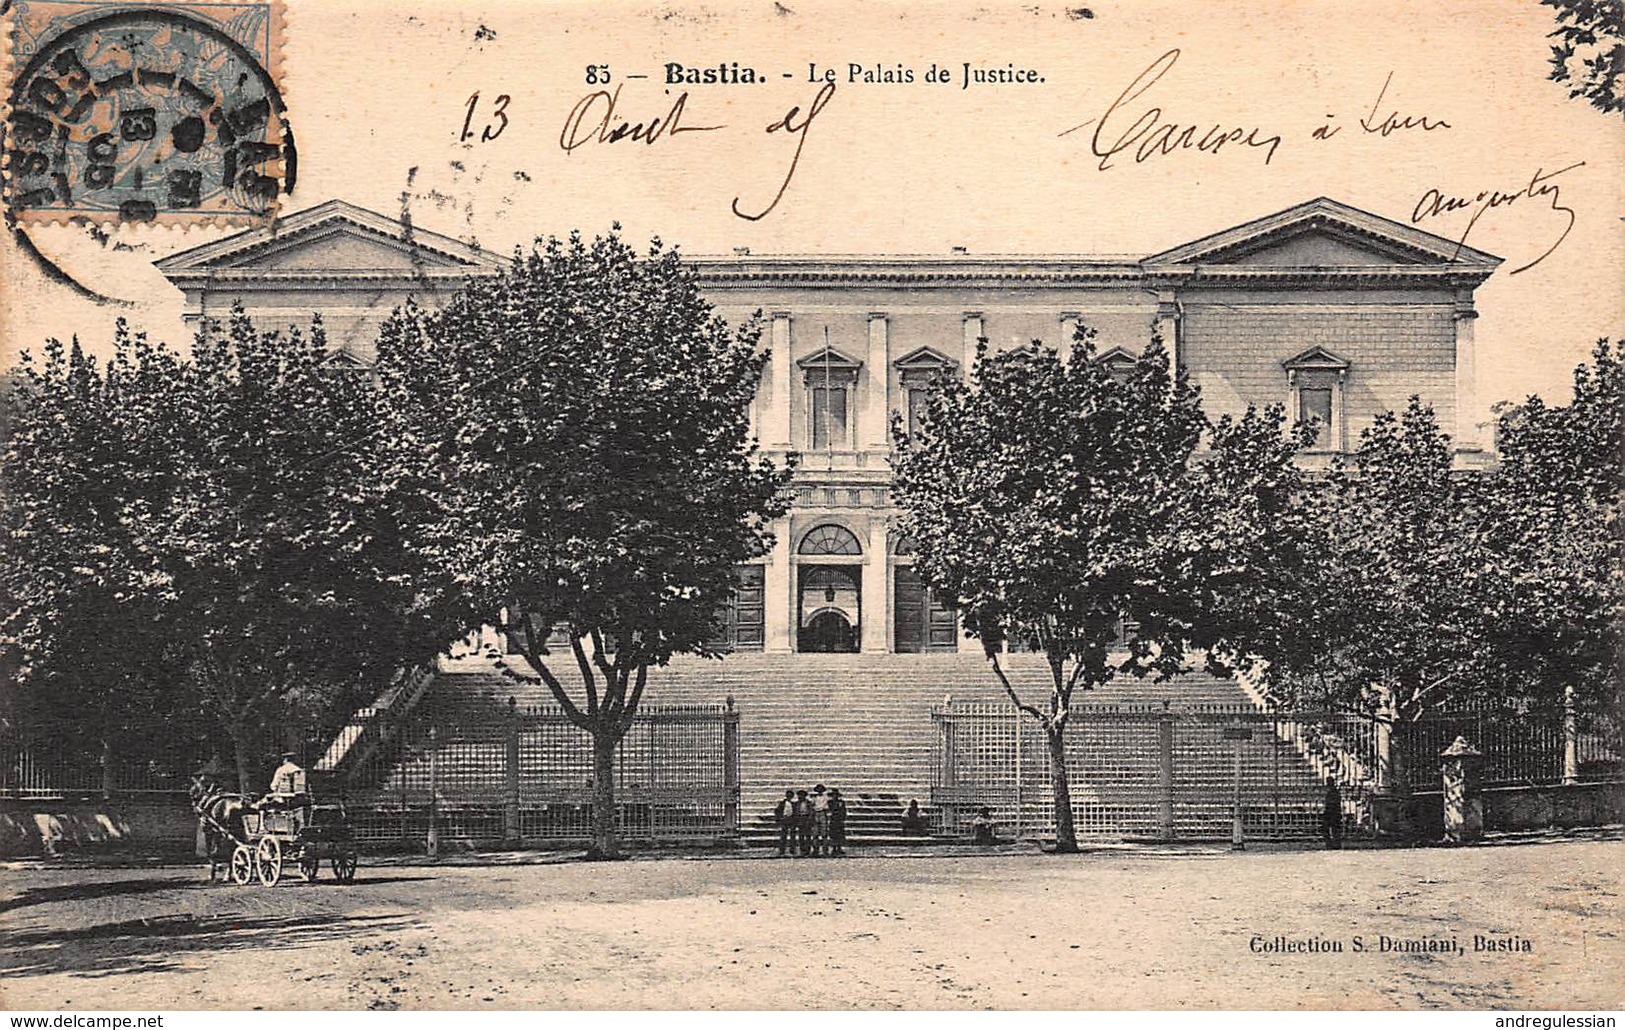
(284, 541)
(1554, 535)
(580, 427)
(85, 595)
(1389, 612)
(1260, 550)
(1589, 52)
(1049, 497)
(208, 534)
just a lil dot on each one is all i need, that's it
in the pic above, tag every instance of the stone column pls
(778, 593)
(974, 330)
(1167, 326)
(1466, 376)
(876, 600)
(872, 432)
(1069, 329)
(1463, 807)
(778, 402)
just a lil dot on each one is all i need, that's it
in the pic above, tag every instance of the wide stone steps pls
(858, 722)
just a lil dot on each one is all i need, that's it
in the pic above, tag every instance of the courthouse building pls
(1336, 312)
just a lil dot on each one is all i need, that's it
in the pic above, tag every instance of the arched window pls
(829, 539)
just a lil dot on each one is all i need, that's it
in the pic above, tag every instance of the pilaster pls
(876, 629)
(778, 593)
(872, 431)
(781, 388)
(1467, 436)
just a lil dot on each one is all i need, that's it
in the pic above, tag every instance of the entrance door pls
(920, 622)
(829, 608)
(829, 632)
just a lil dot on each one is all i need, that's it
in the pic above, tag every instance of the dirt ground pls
(1108, 929)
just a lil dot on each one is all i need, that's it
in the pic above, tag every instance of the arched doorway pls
(829, 591)
(829, 632)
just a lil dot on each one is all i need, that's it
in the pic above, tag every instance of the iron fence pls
(527, 777)
(1151, 771)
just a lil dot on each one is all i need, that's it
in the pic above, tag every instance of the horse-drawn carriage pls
(266, 838)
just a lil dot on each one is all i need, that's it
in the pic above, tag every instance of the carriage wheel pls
(242, 864)
(268, 861)
(309, 865)
(344, 866)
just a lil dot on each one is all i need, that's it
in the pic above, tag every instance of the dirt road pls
(1198, 929)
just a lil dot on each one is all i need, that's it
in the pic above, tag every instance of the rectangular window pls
(829, 417)
(1315, 405)
(916, 404)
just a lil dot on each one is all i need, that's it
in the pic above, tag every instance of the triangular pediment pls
(335, 236)
(1324, 234)
(830, 358)
(1118, 357)
(345, 247)
(344, 361)
(1316, 357)
(925, 359)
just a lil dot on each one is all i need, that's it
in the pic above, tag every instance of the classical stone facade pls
(1336, 312)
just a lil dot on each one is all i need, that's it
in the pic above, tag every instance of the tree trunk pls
(1066, 834)
(604, 844)
(245, 761)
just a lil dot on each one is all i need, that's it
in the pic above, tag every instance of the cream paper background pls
(378, 94)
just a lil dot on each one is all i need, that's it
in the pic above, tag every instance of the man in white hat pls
(289, 779)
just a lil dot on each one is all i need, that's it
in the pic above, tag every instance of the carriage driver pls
(288, 781)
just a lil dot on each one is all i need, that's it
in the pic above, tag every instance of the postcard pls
(499, 233)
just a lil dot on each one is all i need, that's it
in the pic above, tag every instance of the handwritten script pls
(1149, 135)
(597, 119)
(1435, 203)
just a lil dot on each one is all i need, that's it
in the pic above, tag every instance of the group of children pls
(812, 824)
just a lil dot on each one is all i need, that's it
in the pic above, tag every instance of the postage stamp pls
(131, 112)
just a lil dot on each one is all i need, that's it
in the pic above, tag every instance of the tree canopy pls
(1589, 53)
(1053, 497)
(580, 429)
(208, 533)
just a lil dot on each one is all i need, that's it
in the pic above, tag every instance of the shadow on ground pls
(161, 944)
(135, 888)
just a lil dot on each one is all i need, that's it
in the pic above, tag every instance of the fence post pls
(432, 843)
(1019, 740)
(1236, 837)
(730, 768)
(1165, 769)
(1571, 738)
(510, 810)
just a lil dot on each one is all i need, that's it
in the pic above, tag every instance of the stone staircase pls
(860, 722)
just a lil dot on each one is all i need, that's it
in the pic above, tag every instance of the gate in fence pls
(526, 777)
(1152, 771)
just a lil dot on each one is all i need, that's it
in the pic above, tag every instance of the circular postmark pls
(147, 115)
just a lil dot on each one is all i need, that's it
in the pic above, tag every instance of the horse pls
(220, 821)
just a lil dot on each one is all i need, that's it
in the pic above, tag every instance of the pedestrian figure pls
(1331, 816)
(981, 827)
(820, 812)
(804, 819)
(837, 822)
(913, 821)
(785, 817)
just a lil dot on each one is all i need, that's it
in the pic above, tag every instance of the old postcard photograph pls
(774, 505)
